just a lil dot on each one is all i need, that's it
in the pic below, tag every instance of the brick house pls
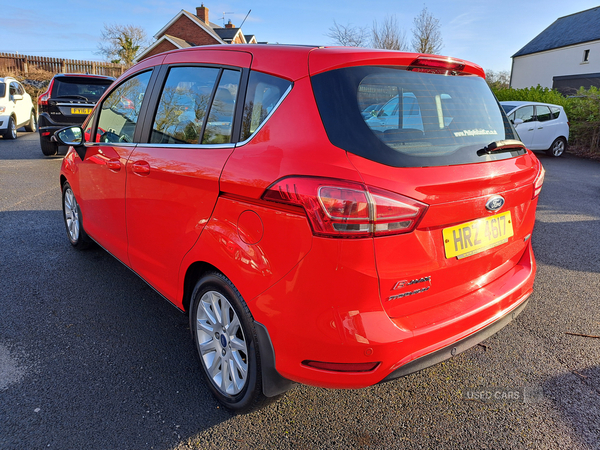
(189, 30)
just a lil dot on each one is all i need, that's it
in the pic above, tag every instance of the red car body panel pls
(170, 212)
(168, 205)
(102, 179)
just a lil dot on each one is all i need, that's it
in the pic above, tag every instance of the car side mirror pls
(518, 122)
(73, 137)
(17, 97)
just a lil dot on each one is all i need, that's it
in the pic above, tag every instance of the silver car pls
(541, 126)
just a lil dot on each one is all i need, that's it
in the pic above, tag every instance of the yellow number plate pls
(85, 111)
(477, 236)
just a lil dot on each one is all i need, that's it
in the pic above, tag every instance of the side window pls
(220, 119)
(183, 105)
(525, 114)
(263, 94)
(543, 113)
(120, 110)
(555, 112)
(14, 89)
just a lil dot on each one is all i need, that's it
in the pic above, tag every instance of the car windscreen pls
(425, 119)
(507, 108)
(79, 88)
(2, 90)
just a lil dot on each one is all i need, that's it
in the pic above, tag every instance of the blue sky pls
(483, 31)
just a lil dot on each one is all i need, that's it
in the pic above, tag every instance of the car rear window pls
(425, 119)
(90, 89)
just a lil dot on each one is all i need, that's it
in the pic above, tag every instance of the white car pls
(541, 126)
(16, 108)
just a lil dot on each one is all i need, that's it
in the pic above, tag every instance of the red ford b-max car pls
(308, 240)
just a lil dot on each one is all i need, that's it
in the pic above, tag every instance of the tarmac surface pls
(92, 358)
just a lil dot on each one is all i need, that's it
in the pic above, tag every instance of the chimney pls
(229, 24)
(202, 13)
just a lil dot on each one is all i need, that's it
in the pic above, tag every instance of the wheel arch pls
(193, 273)
(273, 384)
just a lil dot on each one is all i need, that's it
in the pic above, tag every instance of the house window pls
(586, 56)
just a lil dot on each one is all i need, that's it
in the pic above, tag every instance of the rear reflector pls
(342, 367)
(338, 208)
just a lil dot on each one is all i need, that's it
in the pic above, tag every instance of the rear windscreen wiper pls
(507, 145)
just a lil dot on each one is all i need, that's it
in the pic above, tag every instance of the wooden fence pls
(11, 62)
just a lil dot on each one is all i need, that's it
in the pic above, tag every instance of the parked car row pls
(307, 241)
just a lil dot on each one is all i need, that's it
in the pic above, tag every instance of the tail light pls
(43, 99)
(539, 181)
(337, 208)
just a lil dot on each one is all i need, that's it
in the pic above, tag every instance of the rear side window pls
(183, 105)
(543, 113)
(426, 119)
(263, 95)
(555, 112)
(120, 110)
(81, 88)
(220, 118)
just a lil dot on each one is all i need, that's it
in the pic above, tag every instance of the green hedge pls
(583, 110)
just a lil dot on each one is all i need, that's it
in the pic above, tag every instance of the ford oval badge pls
(495, 203)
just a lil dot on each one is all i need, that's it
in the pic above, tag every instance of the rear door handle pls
(141, 168)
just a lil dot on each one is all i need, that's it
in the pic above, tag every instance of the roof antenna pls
(249, 11)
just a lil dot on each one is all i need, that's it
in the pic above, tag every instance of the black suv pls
(68, 101)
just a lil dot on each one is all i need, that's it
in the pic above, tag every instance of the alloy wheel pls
(71, 215)
(222, 344)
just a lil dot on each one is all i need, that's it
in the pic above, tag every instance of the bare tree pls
(388, 35)
(348, 35)
(498, 80)
(427, 37)
(121, 43)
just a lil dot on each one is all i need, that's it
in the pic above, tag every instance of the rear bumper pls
(457, 347)
(47, 127)
(318, 314)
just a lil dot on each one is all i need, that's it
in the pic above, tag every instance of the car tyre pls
(31, 127)
(11, 130)
(73, 223)
(226, 343)
(48, 148)
(559, 146)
